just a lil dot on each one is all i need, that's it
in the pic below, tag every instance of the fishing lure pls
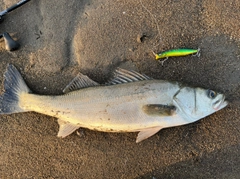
(176, 53)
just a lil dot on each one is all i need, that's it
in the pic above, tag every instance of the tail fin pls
(14, 85)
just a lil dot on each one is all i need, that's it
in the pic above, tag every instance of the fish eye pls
(212, 94)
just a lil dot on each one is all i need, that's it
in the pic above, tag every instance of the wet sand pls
(60, 38)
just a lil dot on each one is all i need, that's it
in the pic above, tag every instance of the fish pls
(129, 102)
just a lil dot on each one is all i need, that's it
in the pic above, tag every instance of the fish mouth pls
(220, 104)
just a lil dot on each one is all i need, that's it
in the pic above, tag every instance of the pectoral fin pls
(144, 134)
(66, 128)
(159, 109)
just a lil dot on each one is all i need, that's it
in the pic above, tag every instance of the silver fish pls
(130, 102)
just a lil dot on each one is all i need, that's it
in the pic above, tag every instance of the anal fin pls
(146, 133)
(66, 128)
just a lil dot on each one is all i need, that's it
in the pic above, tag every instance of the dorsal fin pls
(79, 82)
(126, 76)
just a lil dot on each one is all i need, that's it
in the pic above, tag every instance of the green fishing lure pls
(176, 53)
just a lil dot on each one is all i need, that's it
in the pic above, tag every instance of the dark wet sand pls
(60, 38)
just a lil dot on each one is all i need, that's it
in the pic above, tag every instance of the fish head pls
(197, 103)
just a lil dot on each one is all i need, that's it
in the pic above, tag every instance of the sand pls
(59, 38)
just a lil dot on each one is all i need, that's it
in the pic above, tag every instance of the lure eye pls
(212, 94)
